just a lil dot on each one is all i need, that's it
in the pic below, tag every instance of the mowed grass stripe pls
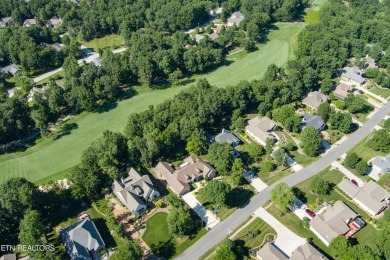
(51, 157)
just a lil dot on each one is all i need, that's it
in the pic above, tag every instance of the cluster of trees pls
(180, 217)
(311, 141)
(90, 20)
(217, 192)
(230, 250)
(320, 186)
(356, 104)
(336, 120)
(282, 195)
(352, 160)
(258, 14)
(27, 47)
(286, 115)
(380, 140)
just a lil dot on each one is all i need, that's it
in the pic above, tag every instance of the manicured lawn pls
(384, 92)
(157, 229)
(112, 40)
(237, 197)
(312, 16)
(257, 225)
(274, 176)
(46, 160)
(333, 176)
(157, 233)
(317, 4)
(365, 152)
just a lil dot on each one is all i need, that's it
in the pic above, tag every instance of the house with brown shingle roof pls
(315, 99)
(29, 22)
(135, 191)
(270, 252)
(342, 90)
(54, 22)
(337, 220)
(260, 128)
(180, 178)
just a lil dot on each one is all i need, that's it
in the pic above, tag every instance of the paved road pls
(220, 231)
(88, 59)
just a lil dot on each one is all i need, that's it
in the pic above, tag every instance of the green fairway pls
(45, 160)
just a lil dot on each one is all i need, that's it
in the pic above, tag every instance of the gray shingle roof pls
(382, 163)
(315, 99)
(315, 121)
(353, 73)
(236, 18)
(81, 238)
(12, 69)
(307, 252)
(226, 137)
(269, 252)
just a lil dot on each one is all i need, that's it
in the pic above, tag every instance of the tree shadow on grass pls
(299, 194)
(165, 249)
(238, 197)
(101, 226)
(20, 146)
(107, 107)
(66, 129)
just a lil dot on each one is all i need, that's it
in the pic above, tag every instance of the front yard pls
(237, 197)
(364, 152)
(162, 243)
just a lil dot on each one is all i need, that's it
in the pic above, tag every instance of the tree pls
(380, 141)
(255, 151)
(85, 182)
(311, 140)
(269, 145)
(221, 156)
(31, 228)
(225, 251)
(386, 124)
(217, 191)
(127, 250)
(320, 186)
(40, 113)
(267, 166)
(362, 167)
(180, 221)
(237, 172)
(356, 104)
(282, 195)
(340, 246)
(324, 111)
(280, 157)
(351, 160)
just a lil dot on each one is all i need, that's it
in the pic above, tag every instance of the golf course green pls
(49, 159)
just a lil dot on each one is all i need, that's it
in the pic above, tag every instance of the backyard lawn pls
(158, 237)
(108, 41)
(50, 157)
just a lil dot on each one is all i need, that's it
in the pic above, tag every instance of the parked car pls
(246, 168)
(310, 213)
(354, 182)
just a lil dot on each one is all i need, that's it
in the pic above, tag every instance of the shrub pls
(306, 223)
(159, 204)
(361, 167)
(311, 207)
(267, 166)
(351, 160)
(280, 213)
(291, 147)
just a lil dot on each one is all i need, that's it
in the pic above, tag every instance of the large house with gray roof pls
(337, 220)
(226, 137)
(11, 69)
(270, 252)
(372, 197)
(315, 99)
(314, 121)
(180, 178)
(381, 164)
(307, 252)
(353, 75)
(135, 191)
(82, 240)
(260, 128)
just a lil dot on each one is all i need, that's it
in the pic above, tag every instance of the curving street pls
(220, 231)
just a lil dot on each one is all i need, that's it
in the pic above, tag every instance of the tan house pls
(135, 191)
(338, 220)
(342, 90)
(315, 99)
(307, 252)
(260, 128)
(29, 22)
(6, 22)
(54, 22)
(270, 252)
(180, 178)
(371, 198)
(236, 18)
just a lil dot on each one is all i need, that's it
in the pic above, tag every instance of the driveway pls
(298, 207)
(348, 173)
(286, 240)
(206, 215)
(293, 164)
(256, 182)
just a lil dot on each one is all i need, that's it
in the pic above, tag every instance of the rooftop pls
(315, 99)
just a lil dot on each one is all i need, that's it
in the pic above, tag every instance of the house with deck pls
(135, 191)
(337, 220)
(180, 178)
(260, 129)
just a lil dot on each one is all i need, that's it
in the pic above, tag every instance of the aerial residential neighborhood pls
(210, 130)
